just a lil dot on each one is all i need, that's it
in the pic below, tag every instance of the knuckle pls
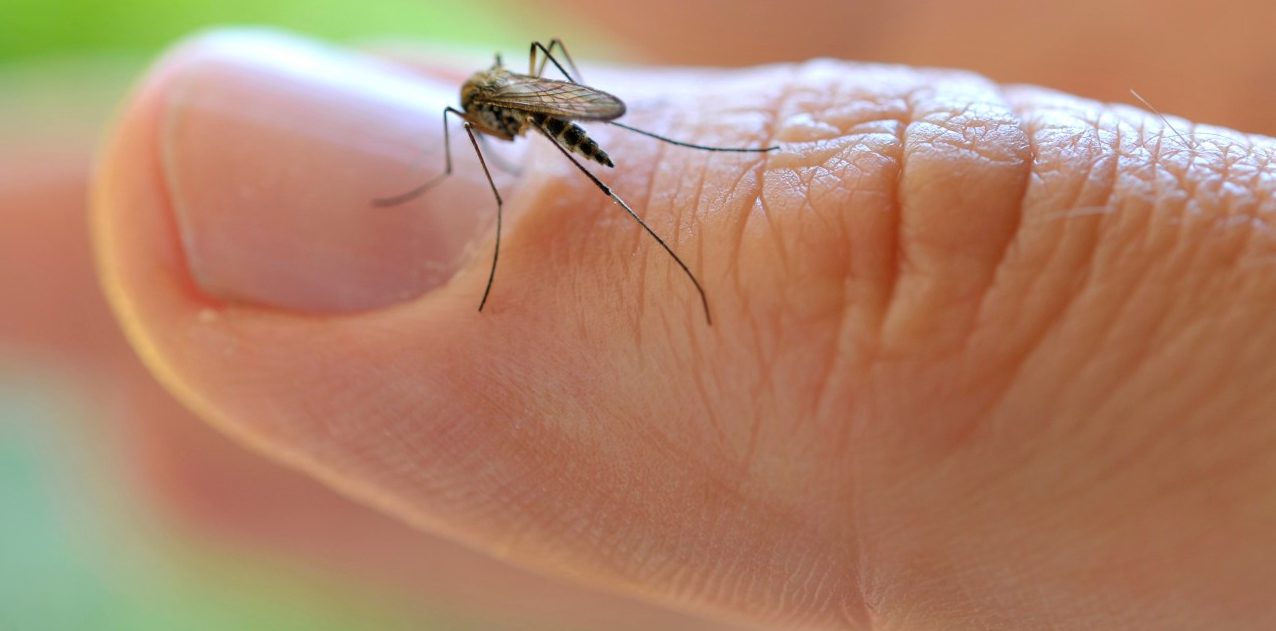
(892, 203)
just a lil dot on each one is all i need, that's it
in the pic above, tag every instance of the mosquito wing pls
(552, 98)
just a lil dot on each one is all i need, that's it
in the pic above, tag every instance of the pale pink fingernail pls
(274, 148)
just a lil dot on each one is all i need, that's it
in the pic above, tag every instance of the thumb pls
(240, 249)
(859, 440)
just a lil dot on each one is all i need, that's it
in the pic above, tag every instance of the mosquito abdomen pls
(574, 138)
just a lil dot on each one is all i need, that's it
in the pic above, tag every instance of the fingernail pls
(273, 150)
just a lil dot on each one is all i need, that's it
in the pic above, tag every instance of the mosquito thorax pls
(481, 82)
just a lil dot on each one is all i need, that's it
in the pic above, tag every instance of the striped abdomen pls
(571, 136)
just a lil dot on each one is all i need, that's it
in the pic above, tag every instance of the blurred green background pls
(80, 548)
(39, 28)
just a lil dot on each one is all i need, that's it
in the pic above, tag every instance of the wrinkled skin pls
(980, 354)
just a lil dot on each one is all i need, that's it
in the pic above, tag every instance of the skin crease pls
(939, 400)
(46, 328)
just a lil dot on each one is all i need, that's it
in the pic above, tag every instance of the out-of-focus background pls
(120, 511)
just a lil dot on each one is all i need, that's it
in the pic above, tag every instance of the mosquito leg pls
(704, 300)
(534, 69)
(693, 146)
(496, 251)
(384, 202)
(537, 70)
(566, 55)
(498, 160)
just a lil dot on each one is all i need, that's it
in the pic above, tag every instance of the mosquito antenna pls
(704, 300)
(1163, 118)
(691, 145)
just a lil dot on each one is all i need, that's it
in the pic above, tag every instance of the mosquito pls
(505, 105)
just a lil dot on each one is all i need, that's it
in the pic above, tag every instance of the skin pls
(919, 469)
(205, 487)
(980, 354)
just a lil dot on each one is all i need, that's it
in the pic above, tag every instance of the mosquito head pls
(468, 90)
